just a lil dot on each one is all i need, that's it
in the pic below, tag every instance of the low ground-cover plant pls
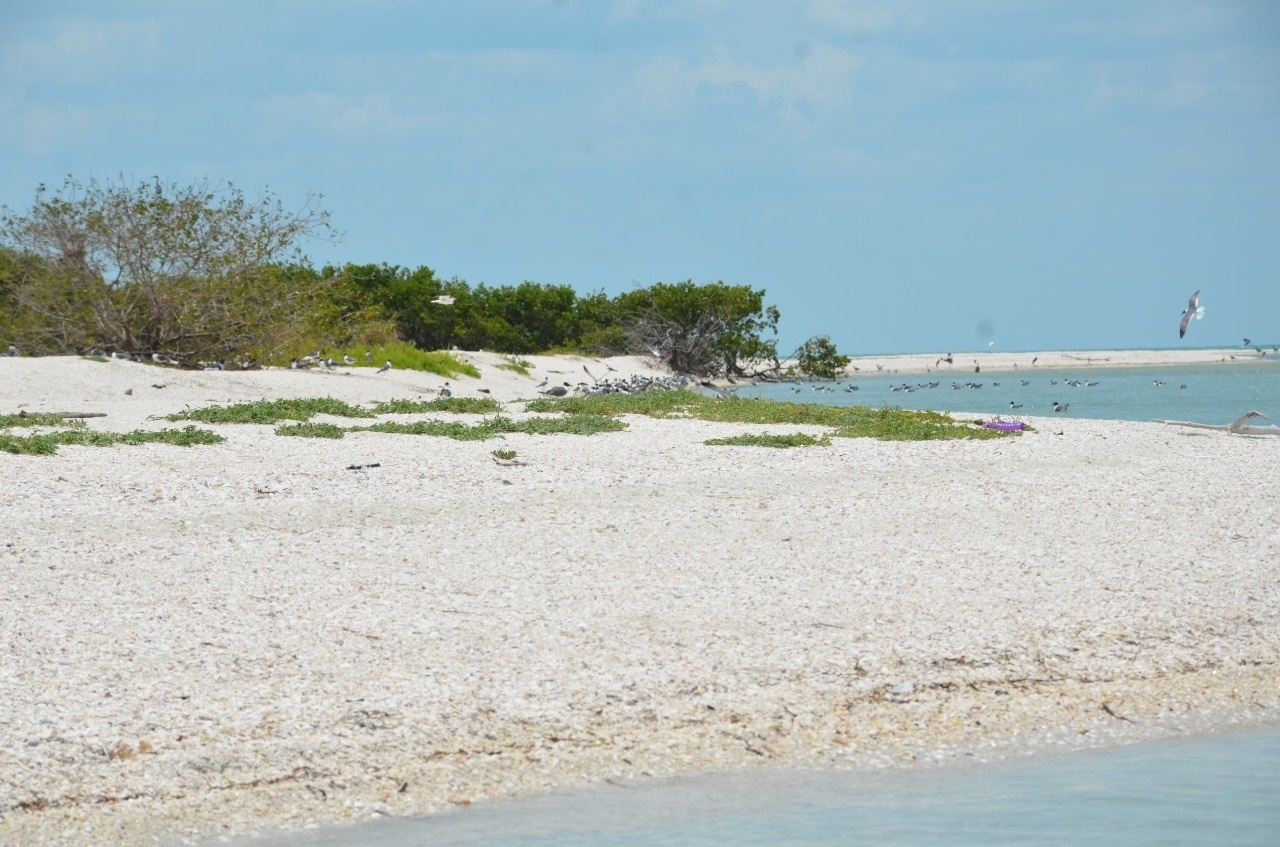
(795, 439)
(888, 423)
(38, 419)
(311, 430)
(272, 411)
(497, 426)
(463, 405)
(48, 443)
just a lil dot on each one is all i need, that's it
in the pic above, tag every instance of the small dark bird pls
(1060, 407)
(557, 390)
(13, 351)
(445, 392)
(977, 368)
(1013, 405)
(1247, 342)
(386, 367)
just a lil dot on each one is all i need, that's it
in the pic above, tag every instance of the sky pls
(899, 176)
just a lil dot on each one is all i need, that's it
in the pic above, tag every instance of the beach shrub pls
(819, 358)
(194, 272)
(707, 330)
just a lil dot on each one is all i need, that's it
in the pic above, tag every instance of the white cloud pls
(821, 84)
(1165, 22)
(1186, 87)
(364, 116)
(855, 17)
(81, 50)
(42, 128)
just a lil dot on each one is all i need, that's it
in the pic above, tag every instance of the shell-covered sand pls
(223, 638)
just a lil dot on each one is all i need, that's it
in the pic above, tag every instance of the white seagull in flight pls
(1193, 310)
(444, 300)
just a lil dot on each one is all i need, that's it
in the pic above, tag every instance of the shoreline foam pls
(233, 637)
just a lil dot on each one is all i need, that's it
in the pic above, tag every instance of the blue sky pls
(901, 176)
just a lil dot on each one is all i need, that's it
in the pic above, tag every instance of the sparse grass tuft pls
(272, 411)
(462, 405)
(311, 430)
(520, 366)
(504, 455)
(795, 439)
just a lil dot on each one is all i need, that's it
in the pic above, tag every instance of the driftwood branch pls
(23, 413)
(1240, 426)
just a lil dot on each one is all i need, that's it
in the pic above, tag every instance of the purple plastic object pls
(1006, 426)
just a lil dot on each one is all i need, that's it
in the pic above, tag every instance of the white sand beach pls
(277, 632)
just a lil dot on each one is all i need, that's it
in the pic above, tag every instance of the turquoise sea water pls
(1207, 393)
(1221, 789)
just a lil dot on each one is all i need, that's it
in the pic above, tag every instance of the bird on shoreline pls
(13, 351)
(1193, 310)
(386, 367)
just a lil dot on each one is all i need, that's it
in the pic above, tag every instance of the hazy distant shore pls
(281, 631)
(1000, 361)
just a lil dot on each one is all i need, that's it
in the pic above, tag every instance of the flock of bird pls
(634, 384)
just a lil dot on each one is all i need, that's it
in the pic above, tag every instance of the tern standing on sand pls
(1193, 310)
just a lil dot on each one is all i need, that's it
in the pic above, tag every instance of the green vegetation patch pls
(404, 356)
(497, 426)
(444, 429)
(48, 443)
(311, 430)
(39, 419)
(795, 439)
(520, 366)
(272, 411)
(462, 405)
(889, 423)
(893, 424)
